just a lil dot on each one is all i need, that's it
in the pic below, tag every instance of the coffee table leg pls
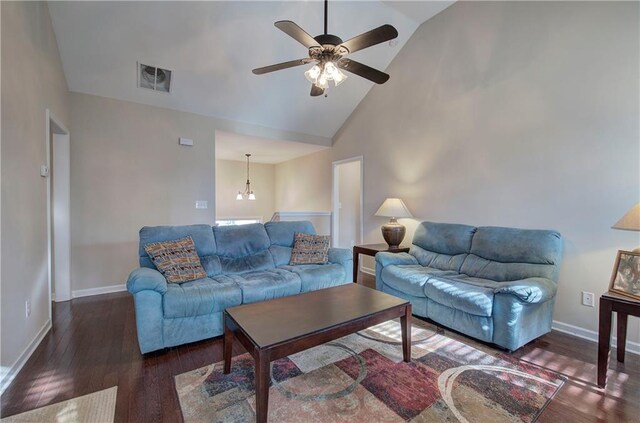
(405, 323)
(227, 346)
(262, 385)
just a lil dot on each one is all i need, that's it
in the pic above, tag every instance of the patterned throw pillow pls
(177, 260)
(310, 249)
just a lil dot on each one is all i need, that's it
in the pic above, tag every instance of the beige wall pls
(32, 81)
(512, 114)
(231, 177)
(128, 171)
(304, 184)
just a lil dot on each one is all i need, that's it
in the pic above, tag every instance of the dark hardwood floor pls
(93, 346)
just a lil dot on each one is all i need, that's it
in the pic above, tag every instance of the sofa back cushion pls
(202, 237)
(442, 246)
(282, 235)
(506, 254)
(444, 238)
(243, 248)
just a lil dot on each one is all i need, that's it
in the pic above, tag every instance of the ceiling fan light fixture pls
(328, 52)
(312, 74)
(323, 81)
(330, 70)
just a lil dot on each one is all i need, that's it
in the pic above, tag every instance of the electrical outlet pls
(587, 299)
(27, 308)
(201, 204)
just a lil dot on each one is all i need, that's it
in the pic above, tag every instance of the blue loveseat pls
(244, 264)
(494, 284)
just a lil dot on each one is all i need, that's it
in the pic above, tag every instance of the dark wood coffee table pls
(274, 329)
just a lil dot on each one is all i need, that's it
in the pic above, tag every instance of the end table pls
(610, 302)
(371, 250)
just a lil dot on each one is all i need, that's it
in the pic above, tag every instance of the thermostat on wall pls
(185, 141)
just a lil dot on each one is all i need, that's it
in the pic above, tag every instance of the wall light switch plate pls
(27, 308)
(202, 204)
(185, 141)
(588, 299)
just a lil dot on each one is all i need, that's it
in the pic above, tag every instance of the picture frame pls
(625, 279)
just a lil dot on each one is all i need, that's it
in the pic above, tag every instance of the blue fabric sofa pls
(494, 284)
(244, 264)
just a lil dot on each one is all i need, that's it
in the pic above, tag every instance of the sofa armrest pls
(343, 257)
(144, 278)
(387, 259)
(340, 255)
(530, 290)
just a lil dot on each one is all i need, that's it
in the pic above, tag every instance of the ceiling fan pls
(328, 53)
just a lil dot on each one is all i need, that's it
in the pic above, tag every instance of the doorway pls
(348, 191)
(58, 209)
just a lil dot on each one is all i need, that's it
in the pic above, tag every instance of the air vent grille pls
(154, 78)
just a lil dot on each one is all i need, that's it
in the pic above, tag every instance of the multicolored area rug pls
(362, 378)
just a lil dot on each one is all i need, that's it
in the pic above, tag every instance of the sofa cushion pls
(282, 233)
(444, 238)
(505, 254)
(461, 292)
(310, 249)
(437, 260)
(243, 248)
(202, 296)
(252, 263)
(512, 245)
(269, 284)
(177, 260)
(410, 278)
(202, 236)
(241, 240)
(318, 276)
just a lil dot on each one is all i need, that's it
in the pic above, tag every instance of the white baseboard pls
(9, 374)
(591, 335)
(368, 270)
(97, 291)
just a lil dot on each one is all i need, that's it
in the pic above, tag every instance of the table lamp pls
(630, 222)
(393, 232)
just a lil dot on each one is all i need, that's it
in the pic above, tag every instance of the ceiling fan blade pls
(363, 70)
(316, 91)
(371, 38)
(294, 31)
(280, 66)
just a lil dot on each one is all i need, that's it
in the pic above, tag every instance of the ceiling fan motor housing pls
(330, 39)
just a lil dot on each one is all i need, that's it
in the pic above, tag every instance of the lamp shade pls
(630, 221)
(393, 207)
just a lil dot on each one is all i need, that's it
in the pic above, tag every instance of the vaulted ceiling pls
(212, 47)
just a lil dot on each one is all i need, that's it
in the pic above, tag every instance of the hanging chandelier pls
(248, 193)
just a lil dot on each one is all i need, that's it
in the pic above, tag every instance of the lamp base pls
(393, 233)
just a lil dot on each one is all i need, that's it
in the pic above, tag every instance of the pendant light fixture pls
(248, 193)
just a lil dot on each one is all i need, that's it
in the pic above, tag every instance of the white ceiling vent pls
(154, 78)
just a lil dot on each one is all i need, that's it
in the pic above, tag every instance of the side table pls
(624, 306)
(371, 250)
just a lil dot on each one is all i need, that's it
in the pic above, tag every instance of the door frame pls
(335, 211)
(63, 287)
